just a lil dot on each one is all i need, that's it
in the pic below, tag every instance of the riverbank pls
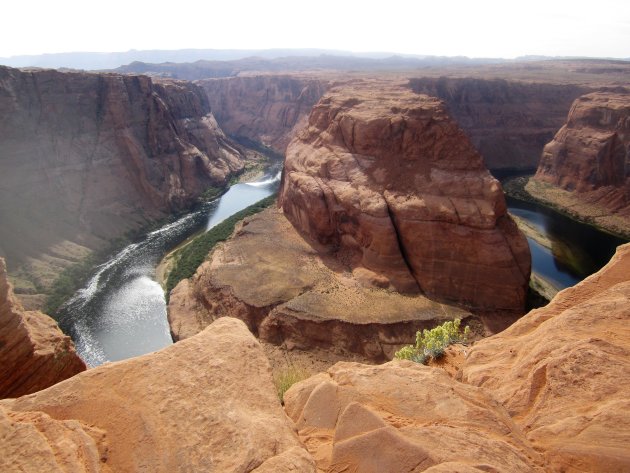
(565, 202)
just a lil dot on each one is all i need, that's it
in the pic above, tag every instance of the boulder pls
(204, 404)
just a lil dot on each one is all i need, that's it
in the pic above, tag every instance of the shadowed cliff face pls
(85, 157)
(267, 109)
(508, 122)
(387, 177)
(35, 354)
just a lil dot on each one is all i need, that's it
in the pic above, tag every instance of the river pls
(121, 311)
(576, 250)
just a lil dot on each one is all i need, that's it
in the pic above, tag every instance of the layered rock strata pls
(509, 122)
(291, 293)
(551, 393)
(589, 158)
(562, 372)
(204, 404)
(385, 177)
(86, 157)
(268, 109)
(34, 353)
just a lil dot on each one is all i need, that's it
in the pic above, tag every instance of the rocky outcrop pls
(562, 372)
(268, 109)
(86, 157)
(291, 293)
(405, 417)
(509, 122)
(590, 158)
(34, 353)
(384, 176)
(204, 404)
(551, 393)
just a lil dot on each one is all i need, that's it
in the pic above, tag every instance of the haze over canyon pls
(399, 181)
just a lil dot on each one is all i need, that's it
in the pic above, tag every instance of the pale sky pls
(475, 28)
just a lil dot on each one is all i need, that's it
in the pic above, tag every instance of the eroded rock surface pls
(85, 157)
(405, 417)
(34, 353)
(204, 404)
(290, 292)
(388, 179)
(590, 158)
(509, 122)
(562, 372)
(268, 109)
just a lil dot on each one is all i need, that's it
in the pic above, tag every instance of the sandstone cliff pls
(85, 157)
(387, 178)
(268, 109)
(551, 393)
(590, 158)
(509, 122)
(204, 404)
(562, 372)
(34, 353)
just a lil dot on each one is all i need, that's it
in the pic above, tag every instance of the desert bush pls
(287, 378)
(431, 344)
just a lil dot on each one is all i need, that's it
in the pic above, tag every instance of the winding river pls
(121, 311)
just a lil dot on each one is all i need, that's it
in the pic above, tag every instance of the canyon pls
(585, 169)
(388, 222)
(89, 157)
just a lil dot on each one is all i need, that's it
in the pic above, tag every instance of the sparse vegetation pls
(287, 378)
(188, 258)
(431, 344)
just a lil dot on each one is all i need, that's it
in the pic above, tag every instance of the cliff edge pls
(34, 353)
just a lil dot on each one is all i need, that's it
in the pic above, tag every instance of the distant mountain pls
(97, 61)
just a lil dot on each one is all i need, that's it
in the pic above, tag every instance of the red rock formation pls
(34, 353)
(509, 122)
(590, 155)
(204, 404)
(88, 156)
(291, 294)
(385, 176)
(563, 372)
(268, 109)
(405, 417)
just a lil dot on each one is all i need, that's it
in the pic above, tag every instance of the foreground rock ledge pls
(34, 353)
(551, 393)
(389, 180)
(205, 404)
(563, 372)
(289, 292)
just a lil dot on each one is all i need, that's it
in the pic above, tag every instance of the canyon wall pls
(268, 109)
(509, 122)
(589, 158)
(85, 157)
(34, 353)
(387, 178)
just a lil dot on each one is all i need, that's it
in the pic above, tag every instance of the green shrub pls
(287, 378)
(190, 257)
(431, 344)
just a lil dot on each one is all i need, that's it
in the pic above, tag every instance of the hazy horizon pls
(482, 29)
